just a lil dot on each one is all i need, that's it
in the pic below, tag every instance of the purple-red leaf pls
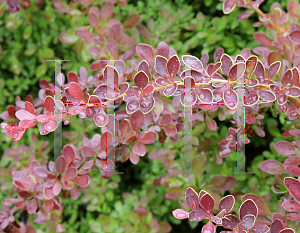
(285, 148)
(293, 185)
(295, 36)
(146, 52)
(272, 166)
(263, 208)
(75, 91)
(191, 199)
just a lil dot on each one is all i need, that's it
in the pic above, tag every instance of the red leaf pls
(75, 91)
(139, 149)
(218, 54)
(236, 71)
(247, 222)
(207, 202)
(173, 65)
(230, 98)
(273, 69)
(263, 208)
(295, 36)
(245, 15)
(134, 158)
(272, 166)
(162, 49)
(49, 104)
(291, 206)
(132, 20)
(248, 207)
(161, 66)
(263, 39)
(197, 215)
(146, 52)
(137, 120)
(111, 76)
(226, 64)
(93, 20)
(28, 106)
(112, 47)
(211, 123)
(285, 148)
(82, 181)
(191, 199)
(70, 174)
(60, 164)
(106, 11)
(227, 203)
(276, 226)
(293, 185)
(141, 80)
(149, 138)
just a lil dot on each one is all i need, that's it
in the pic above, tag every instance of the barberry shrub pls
(139, 92)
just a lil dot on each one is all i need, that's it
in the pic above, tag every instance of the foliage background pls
(30, 37)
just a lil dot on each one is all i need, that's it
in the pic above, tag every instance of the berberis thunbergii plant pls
(149, 97)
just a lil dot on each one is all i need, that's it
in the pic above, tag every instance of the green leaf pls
(41, 70)
(16, 66)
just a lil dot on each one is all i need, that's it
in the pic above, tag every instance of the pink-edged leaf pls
(272, 166)
(49, 104)
(180, 214)
(226, 223)
(162, 49)
(251, 65)
(295, 36)
(144, 66)
(137, 120)
(230, 98)
(263, 39)
(191, 199)
(247, 222)
(293, 185)
(266, 96)
(146, 52)
(211, 123)
(292, 91)
(285, 148)
(132, 20)
(106, 11)
(227, 203)
(263, 208)
(100, 119)
(141, 79)
(260, 229)
(148, 90)
(291, 206)
(228, 6)
(290, 230)
(134, 158)
(139, 149)
(111, 76)
(197, 215)
(132, 106)
(75, 91)
(226, 64)
(82, 181)
(161, 66)
(70, 174)
(56, 188)
(276, 226)
(60, 164)
(273, 69)
(207, 202)
(209, 227)
(248, 207)
(236, 71)
(192, 62)
(169, 91)
(149, 138)
(205, 95)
